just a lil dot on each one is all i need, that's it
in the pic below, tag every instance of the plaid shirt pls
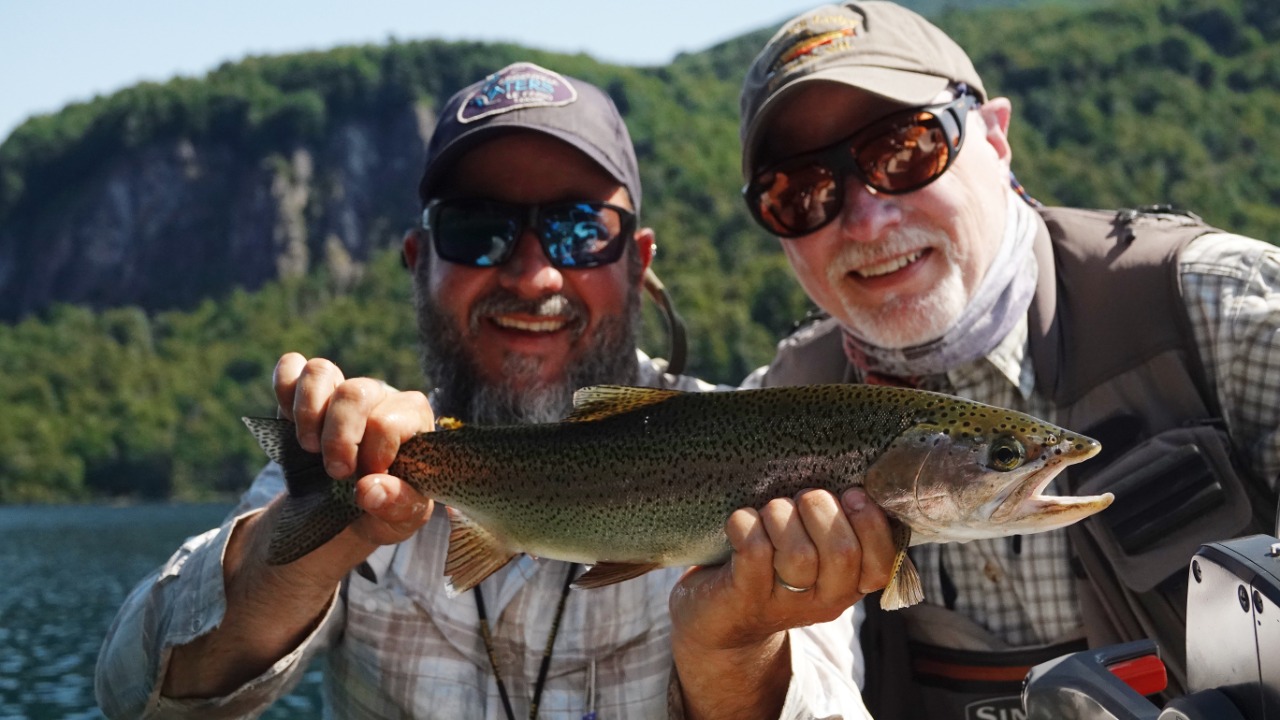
(402, 648)
(1231, 286)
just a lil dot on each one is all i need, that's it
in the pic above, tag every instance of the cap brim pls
(897, 86)
(428, 186)
(440, 165)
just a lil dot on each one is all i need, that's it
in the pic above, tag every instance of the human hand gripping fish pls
(358, 425)
(638, 478)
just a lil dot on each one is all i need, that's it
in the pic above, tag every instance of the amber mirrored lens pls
(898, 154)
(906, 158)
(793, 201)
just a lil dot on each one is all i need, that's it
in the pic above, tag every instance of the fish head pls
(978, 471)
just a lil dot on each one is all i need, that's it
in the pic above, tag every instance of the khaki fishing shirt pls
(401, 647)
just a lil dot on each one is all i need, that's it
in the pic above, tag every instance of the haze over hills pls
(160, 247)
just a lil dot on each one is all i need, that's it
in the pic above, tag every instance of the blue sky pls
(53, 52)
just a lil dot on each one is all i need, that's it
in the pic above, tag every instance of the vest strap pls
(935, 665)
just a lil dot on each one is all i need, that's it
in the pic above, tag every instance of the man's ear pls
(996, 113)
(409, 251)
(646, 246)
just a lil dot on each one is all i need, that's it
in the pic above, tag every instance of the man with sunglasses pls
(527, 272)
(873, 151)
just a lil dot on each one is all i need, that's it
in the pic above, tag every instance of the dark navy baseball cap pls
(524, 96)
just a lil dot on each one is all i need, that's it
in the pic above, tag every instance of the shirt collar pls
(1010, 359)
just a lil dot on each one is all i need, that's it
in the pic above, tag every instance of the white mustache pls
(503, 303)
(895, 244)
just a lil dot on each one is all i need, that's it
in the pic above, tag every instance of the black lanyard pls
(546, 653)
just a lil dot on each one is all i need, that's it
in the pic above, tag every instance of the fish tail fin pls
(904, 589)
(316, 507)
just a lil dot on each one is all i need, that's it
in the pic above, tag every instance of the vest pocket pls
(1174, 492)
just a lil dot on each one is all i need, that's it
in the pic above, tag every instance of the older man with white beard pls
(1148, 330)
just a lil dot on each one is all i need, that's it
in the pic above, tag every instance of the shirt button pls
(993, 572)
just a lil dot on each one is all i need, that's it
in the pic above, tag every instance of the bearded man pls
(527, 274)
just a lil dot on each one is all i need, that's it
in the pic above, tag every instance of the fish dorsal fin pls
(448, 423)
(601, 401)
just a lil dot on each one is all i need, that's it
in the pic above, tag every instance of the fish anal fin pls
(904, 589)
(601, 401)
(474, 553)
(608, 573)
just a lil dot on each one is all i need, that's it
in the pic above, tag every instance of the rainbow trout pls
(637, 478)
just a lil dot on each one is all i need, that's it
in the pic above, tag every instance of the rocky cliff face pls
(177, 220)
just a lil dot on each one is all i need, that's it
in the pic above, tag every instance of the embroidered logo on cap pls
(517, 86)
(813, 38)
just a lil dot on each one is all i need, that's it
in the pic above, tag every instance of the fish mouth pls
(1023, 505)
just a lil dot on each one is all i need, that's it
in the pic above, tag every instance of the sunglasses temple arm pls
(675, 324)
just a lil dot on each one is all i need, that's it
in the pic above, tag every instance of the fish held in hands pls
(639, 478)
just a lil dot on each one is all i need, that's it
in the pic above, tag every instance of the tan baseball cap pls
(880, 47)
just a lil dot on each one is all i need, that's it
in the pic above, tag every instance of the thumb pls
(394, 510)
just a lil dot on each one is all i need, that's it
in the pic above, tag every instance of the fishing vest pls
(1113, 348)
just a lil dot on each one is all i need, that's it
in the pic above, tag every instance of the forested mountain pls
(160, 247)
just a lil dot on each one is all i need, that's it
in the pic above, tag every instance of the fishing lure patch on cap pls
(812, 38)
(517, 86)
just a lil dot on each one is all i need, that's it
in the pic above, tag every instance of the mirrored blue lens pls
(484, 233)
(581, 234)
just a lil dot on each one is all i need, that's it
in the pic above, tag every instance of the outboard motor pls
(1233, 651)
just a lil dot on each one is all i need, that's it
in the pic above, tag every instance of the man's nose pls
(529, 272)
(867, 213)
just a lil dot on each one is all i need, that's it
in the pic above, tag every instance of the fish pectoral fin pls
(904, 589)
(608, 573)
(474, 554)
(601, 401)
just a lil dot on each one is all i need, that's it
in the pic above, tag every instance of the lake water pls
(64, 571)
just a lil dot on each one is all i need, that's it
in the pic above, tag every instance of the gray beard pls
(610, 358)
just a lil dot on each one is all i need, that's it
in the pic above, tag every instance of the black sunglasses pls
(896, 154)
(484, 233)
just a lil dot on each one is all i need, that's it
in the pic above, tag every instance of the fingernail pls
(854, 500)
(375, 497)
(310, 442)
(337, 469)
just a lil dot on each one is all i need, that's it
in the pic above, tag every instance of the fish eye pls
(1007, 453)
